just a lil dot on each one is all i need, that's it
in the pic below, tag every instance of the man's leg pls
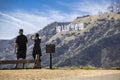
(23, 57)
(34, 56)
(17, 55)
(17, 64)
(23, 65)
(40, 62)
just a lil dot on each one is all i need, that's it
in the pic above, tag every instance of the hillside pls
(98, 44)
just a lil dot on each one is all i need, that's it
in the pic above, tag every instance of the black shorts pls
(21, 54)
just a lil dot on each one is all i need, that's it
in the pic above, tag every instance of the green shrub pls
(88, 67)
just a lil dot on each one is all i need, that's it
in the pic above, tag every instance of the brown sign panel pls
(50, 48)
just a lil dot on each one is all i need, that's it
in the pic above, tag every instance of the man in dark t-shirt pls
(21, 46)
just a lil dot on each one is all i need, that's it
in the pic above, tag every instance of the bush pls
(88, 67)
(115, 68)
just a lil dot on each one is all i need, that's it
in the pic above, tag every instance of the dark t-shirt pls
(21, 40)
(37, 42)
(37, 49)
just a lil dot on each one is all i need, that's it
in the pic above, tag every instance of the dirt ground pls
(47, 74)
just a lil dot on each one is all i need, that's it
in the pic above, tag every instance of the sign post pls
(50, 48)
(50, 60)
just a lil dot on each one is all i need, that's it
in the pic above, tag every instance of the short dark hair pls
(37, 35)
(20, 30)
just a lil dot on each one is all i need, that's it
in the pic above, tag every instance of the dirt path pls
(46, 74)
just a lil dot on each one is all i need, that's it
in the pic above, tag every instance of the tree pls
(115, 7)
(110, 9)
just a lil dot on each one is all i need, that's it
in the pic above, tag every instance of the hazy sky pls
(33, 15)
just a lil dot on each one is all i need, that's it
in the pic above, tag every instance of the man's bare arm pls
(15, 47)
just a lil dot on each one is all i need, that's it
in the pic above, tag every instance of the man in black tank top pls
(21, 46)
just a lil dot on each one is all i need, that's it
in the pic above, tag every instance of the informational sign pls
(50, 48)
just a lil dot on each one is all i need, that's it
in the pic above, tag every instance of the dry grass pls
(90, 19)
(46, 74)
